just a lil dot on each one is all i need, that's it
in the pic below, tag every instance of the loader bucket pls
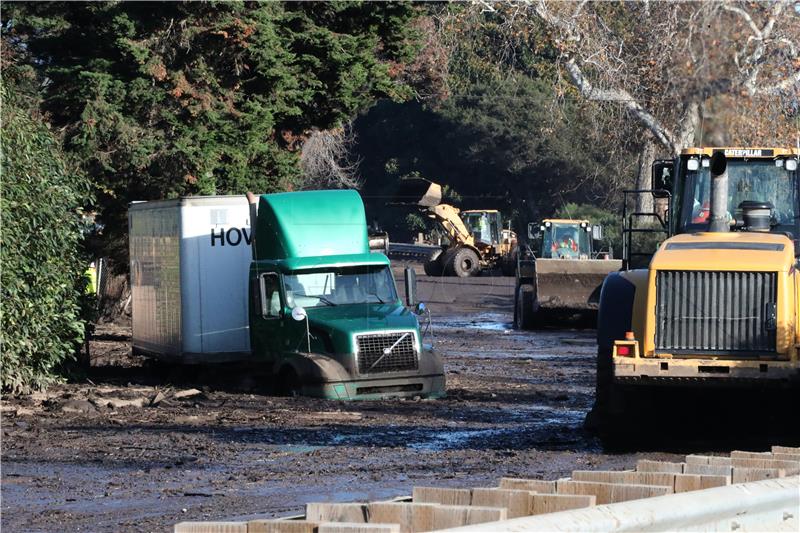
(571, 285)
(419, 192)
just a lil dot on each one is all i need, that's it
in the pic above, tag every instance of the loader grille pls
(373, 360)
(715, 312)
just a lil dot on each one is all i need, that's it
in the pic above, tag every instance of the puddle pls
(483, 321)
(297, 448)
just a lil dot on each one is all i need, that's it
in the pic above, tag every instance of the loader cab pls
(485, 225)
(563, 239)
(756, 178)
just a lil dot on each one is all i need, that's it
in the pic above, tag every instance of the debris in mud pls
(77, 406)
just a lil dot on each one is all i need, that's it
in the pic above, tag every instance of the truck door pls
(266, 323)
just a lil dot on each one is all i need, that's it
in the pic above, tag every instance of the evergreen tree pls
(167, 99)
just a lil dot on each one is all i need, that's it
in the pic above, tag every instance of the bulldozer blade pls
(571, 285)
(418, 191)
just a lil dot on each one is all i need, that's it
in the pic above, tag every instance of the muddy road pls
(133, 446)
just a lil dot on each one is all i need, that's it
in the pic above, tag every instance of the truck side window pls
(270, 295)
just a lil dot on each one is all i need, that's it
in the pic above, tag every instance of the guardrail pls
(768, 505)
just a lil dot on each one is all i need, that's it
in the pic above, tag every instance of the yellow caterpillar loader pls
(717, 307)
(561, 274)
(477, 238)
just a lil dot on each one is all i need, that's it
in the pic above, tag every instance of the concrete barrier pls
(767, 505)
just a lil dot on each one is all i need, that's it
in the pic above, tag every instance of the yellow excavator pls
(560, 273)
(477, 239)
(716, 311)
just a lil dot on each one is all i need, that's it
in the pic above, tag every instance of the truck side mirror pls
(410, 280)
(597, 232)
(662, 172)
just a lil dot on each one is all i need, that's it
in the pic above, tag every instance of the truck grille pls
(724, 312)
(371, 358)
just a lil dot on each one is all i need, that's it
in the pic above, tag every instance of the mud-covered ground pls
(140, 447)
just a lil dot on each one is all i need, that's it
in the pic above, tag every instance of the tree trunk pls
(644, 201)
(688, 125)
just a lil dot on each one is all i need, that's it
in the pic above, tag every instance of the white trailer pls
(189, 261)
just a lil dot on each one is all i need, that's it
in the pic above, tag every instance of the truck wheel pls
(524, 316)
(464, 263)
(287, 382)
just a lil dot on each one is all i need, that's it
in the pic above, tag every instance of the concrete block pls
(739, 454)
(611, 492)
(357, 527)
(553, 503)
(690, 482)
(281, 526)
(211, 527)
(708, 470)
(745, 475)
(538, 485)
(411, 517)
(791, 467)
(337, 512)
(646, 465)
(447, 516)
(666, 479)
(785, 449)
(443, 496)
(709, 460)
(786, 456)
(517, 502)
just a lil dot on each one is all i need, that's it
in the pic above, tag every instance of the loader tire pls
(524, 316)
(434, 267)
(463, 262)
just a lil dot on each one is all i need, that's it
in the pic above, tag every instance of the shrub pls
(42, 278)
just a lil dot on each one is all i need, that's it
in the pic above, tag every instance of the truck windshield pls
(759, 180)
(340, 286)
(565, 241)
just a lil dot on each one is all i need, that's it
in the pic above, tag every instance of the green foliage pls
(611, 222)
(161, 100)
(42, 278)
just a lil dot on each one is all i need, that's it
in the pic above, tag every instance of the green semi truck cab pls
(325, 311)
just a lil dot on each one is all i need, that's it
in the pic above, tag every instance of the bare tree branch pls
(588, 91)
(326, 161)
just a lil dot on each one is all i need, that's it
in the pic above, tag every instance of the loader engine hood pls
(734, 251)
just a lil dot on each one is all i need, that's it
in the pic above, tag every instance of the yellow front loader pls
(716, 310)
(477, 239)
(560, 275)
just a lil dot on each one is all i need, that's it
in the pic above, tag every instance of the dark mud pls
(109, 453)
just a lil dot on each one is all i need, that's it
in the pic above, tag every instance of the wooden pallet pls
(436, 508)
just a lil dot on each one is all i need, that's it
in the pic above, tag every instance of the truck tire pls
(463, 262)
(287, 382)
(524, 316)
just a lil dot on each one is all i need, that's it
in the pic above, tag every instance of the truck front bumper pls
(425, 386)
(684, 371)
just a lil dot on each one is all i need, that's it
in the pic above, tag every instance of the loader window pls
(760, 180)
(482, 226)
(566, 241)
(341, 286)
